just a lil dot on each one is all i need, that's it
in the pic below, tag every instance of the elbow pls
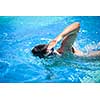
(77, 24)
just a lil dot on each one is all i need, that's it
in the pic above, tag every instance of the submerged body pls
(67, 37)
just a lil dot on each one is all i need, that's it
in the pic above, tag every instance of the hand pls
(52, 44)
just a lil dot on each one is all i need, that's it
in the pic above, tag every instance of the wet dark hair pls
(40, 50)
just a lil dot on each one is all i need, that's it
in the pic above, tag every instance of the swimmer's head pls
(40, 50)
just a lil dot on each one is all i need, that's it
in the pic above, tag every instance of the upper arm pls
(68, 41)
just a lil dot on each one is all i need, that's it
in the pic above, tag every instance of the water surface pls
(18, 35)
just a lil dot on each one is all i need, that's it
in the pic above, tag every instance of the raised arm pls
(67, 31)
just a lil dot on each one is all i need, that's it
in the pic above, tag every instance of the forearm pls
(68, 31)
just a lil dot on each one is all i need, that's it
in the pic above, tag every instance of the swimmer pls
(67, 37)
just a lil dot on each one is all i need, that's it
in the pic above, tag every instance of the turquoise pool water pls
(19, 34)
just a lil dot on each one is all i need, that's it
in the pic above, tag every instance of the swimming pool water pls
(18, 35)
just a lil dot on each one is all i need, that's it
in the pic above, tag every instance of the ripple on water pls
(4, 66)
(19, 35)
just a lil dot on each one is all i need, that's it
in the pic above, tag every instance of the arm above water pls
(67, 31)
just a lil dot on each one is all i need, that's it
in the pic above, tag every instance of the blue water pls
(19, 34)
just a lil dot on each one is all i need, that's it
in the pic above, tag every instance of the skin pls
(68, 37)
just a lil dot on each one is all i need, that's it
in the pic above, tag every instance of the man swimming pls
(68, 37)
